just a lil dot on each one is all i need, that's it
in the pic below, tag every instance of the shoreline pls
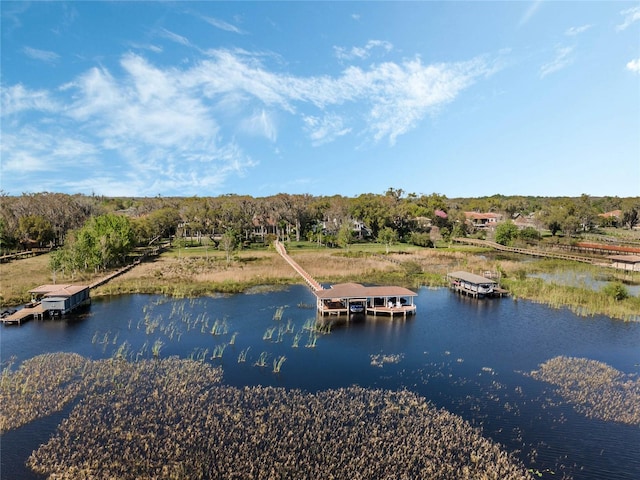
(192, 273)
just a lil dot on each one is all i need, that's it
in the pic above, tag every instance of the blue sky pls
(207, 98)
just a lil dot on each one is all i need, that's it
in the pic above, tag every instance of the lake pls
(465, 355)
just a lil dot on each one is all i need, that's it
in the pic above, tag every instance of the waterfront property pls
(474, 285)
(60, 301)
(51, 300)
(345, 298)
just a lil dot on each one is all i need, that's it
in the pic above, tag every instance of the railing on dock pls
(313, 284)
(527, 251)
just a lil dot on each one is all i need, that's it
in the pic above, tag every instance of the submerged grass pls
(172, 418)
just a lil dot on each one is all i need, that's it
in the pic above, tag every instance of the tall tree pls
(630, 218)
(388, 236)
(506, 233)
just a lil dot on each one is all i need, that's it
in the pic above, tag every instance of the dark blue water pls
(468, 356)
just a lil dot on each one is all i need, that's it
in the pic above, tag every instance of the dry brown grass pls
(19, 276)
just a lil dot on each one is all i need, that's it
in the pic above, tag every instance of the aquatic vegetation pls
(268, 334)
(313, 338)
(157, 346)
(278, 313)
(379, 360)
(277, 363)
(262, 359)
(172, 418)
(596, 389)
(242, 356)
(218, 351)
(219, 327)
(40, 386)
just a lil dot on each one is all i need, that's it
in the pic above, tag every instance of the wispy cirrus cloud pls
(631, 16)
(325, 129)
(174, 129)
(17, 98)
(42, 55)
(174, 37)
(561, 60)
(530, 12)
(343, 53)
(573, 31)
(222, 25)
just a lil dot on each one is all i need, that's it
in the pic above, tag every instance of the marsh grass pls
(196, 272)
(171, 418)
(596, 389)
(582, 301)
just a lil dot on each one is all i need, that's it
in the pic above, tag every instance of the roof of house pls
(612, 213)
(625, 258)
(480, 216)
(58, 290)
(355, 290)
(470, 277)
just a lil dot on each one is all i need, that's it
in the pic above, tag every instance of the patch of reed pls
(172, 418)
(596, 389)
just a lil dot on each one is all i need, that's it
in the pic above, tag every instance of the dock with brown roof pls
(346, 298)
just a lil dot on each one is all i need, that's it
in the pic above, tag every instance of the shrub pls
(616, 290)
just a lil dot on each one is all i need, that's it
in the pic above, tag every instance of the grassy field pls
(194, 271)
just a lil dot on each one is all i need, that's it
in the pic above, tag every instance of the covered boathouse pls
(473, 285)
(61, 299)
(346, 298)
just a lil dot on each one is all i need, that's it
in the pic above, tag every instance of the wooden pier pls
(36, 310)
(349, 298)
(24, 314)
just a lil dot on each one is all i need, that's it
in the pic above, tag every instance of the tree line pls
(97, 232)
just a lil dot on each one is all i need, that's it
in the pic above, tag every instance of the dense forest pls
(99, 231)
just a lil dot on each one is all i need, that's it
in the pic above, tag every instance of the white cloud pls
(530, 12)
(634, 65)
(169, 129)
(362, 53)
(17, 98)
(146, 46)
(31, 149)
(261, 124)
(174, 37)
(324, 129)
(573, 31)
(390, 98)
(222, 25)
(561, 60)
(631, 16)
(42, 55)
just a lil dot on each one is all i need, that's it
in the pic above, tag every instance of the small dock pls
(350, 298)
(24, 314)
(50, 301)
(473, 285)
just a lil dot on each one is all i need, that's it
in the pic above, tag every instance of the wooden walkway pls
(23, 315)
(36, 311)
(313, 284)
(527, 251)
